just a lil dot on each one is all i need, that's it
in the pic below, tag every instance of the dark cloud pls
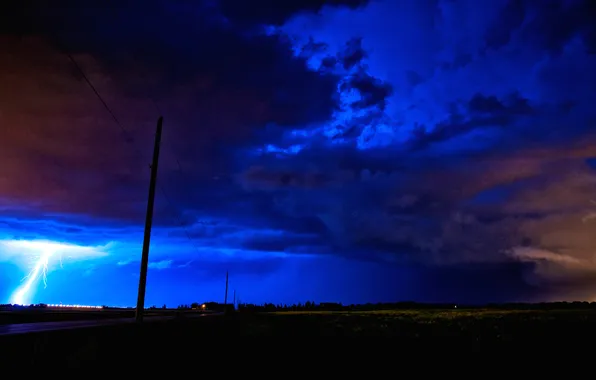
(283, 243)
(557, 22)
(458, 138)
(480, 111)
(217, 92)
(481, 146)
(491, 105)
(547, 25)
(510, 18)
(258, 268)
(353, 55)
(493, 283)
(372, 91)
(271, 12)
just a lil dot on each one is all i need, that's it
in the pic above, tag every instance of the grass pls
(485, 325)
(53, 315)
(416, 314)
(181, 341)
(443, 316)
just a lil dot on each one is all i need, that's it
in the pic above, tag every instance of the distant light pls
(74, 306)
(456, 306)
(203, 306)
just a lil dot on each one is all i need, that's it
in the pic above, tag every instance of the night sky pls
(341, 151)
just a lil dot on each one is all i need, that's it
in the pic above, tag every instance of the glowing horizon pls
(47, 249)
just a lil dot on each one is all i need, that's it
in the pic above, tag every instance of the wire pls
(127, 134)
(78, 67)
(117, 18)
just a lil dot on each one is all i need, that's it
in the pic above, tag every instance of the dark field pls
(33, 315)
(176, 342)
(59, 315)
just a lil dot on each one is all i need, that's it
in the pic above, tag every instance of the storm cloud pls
(436, 134)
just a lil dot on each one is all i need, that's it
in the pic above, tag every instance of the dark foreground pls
(28, 315)
(183, 341)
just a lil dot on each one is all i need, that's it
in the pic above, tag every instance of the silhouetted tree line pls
(206, 306)
(331, 306)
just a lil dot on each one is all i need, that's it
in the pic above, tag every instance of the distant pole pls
(148, 223)
(226, 296)
(234, 297)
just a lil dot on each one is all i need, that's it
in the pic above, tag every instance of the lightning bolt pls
(42, 251)
(40, 269)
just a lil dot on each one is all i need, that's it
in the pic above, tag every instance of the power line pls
(97, 94)
(152, 98)
(127, 134)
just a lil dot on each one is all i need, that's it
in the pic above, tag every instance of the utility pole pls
(234, 298)
(226, 296)
(148, 224)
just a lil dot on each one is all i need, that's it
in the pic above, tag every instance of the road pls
(25, 328)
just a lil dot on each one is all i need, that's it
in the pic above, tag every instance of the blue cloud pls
(305, 146)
